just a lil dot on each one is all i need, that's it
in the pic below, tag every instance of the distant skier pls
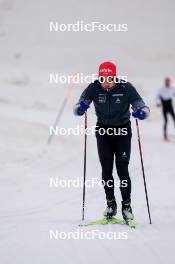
(164, 99)
(112, 99)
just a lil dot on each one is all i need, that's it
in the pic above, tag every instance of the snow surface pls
(29, 105)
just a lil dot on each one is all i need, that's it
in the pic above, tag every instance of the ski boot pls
(127, 210)
(111, 209)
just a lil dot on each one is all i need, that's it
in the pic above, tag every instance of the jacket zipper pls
(109, 108)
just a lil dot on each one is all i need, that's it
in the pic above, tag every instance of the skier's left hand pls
(141, 113)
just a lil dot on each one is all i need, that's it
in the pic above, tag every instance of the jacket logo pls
(102, 98)
(124, 155)
(118, 100)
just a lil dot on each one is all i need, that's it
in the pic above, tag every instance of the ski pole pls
(84, 172)
(61, 110)
(143, 170)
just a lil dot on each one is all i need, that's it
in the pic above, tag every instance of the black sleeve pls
(134, 97)
(85, 97)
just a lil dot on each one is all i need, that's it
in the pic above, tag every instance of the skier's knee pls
(122, 163)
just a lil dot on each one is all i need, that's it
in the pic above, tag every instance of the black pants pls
(118, 146)
(167, 108)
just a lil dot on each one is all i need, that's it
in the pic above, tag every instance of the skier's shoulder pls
(89, 88)
(132, 93)
(127, 86)
(93, 85)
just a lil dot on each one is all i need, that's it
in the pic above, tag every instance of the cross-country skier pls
(164, 98)
(112, 99)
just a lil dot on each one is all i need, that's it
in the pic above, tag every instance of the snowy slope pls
(29, 105)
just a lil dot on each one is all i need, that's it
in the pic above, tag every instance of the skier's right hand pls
(80, 108)
(83, 106)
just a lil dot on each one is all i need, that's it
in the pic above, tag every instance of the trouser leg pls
(122, 153)
(172, 114)
(106, 157)
(165, 122)
(125, 181)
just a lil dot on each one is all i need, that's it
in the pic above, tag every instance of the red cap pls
(107, 69)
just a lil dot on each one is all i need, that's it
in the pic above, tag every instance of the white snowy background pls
(29, 208)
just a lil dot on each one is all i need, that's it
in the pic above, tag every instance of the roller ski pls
(110, 213)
